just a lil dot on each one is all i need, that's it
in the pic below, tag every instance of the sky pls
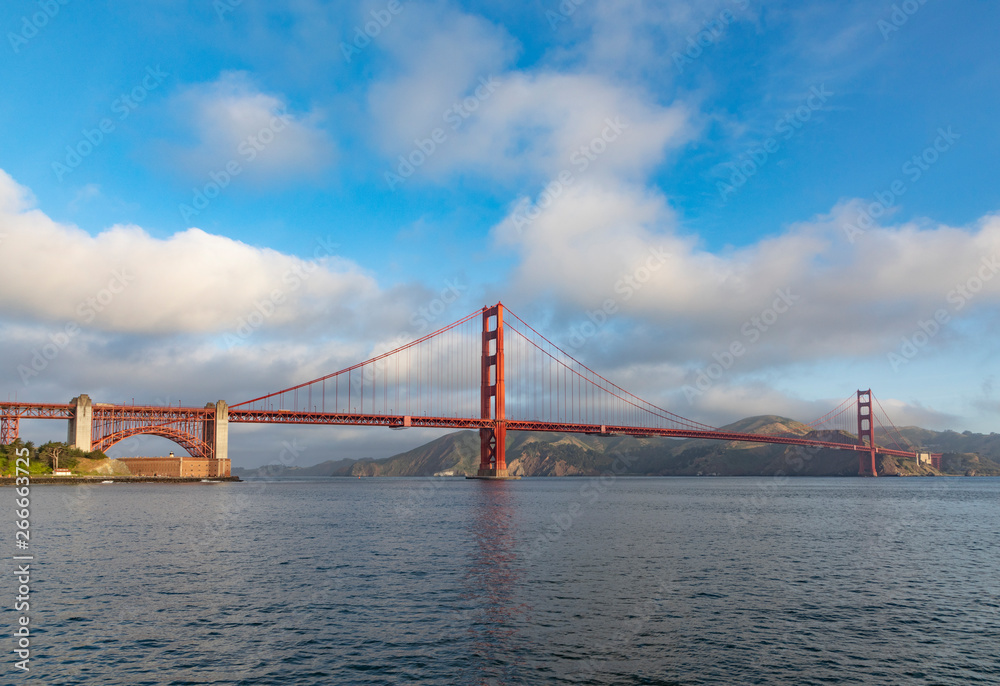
(779, 203)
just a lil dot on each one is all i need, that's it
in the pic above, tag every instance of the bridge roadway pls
(167, 415)
(404, 421)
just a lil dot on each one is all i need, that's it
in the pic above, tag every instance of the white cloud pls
(850, 299)
(231, 121)
(506, 124)
(437, 58)
(125, 281)
(544, 124)
(14, 198)
(626, 36)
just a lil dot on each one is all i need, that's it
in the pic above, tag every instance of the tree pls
(50, 452)
(56, 454)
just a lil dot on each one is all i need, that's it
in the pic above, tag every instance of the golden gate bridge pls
(489, 371)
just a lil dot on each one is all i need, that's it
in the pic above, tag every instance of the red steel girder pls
(346, 419)
(195, 446)
(12, 412)
(36, 410)
(8, 429)
(183, 425)
(152, 412)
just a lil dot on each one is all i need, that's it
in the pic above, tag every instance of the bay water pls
(540, 581)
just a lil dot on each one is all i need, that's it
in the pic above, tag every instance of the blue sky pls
(843, 153)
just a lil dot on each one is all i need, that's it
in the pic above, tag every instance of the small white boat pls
(210, 481)
(107, 481)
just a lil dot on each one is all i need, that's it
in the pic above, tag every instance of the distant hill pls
(457, 452)
(558, 454)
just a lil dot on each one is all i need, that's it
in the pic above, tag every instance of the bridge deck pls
(402, 421)
(168, 415)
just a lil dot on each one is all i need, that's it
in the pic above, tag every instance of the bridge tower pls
(493, 441)
(81, 424)
(866, 429)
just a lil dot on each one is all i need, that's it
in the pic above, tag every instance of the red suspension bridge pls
(489, 371)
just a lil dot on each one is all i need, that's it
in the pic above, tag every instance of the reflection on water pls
(491, 584)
